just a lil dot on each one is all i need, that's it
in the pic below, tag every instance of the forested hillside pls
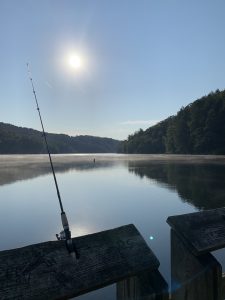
(198, 128)
(19, 140)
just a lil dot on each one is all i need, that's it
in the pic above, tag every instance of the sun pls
(75, 61)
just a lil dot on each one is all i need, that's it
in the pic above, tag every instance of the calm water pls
(115, 191)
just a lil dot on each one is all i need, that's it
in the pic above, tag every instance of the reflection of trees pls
(199, 184)
(10, 173)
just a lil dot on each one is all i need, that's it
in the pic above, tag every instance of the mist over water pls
(113, 191)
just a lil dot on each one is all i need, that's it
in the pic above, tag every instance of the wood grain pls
(47, 271)
(202, 232)
(193, 277)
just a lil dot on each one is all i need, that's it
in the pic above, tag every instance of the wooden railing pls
(195, 272)
(121, 256)
(47, 271)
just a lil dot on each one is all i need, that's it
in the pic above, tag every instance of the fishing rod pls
(65, 234)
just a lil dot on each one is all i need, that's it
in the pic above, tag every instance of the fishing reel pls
(65, 235)
(61, 236)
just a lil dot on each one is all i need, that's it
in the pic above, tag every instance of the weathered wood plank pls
(149, 285)
(47, 271)
(193, 277)
(202, 231)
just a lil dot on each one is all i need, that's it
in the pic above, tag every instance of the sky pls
(142, 61)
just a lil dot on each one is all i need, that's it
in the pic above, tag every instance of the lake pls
(114, 191)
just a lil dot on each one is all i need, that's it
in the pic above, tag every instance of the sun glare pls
(75, 61)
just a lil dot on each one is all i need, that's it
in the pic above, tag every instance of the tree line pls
(19, 140)
(198, 128)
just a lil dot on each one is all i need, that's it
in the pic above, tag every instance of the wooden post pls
(195, 273)
(146, 286)
(193, 277)
(47, 271)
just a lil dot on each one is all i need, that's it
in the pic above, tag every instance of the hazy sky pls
(143, 61)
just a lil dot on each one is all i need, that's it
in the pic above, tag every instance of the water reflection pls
(16, 171)
(202, 185)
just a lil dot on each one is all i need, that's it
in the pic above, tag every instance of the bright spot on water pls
(151, 237)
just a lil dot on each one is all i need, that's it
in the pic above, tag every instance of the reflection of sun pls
(77, 230)
(74, 61)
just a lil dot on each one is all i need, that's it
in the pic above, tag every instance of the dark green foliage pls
(18, 140)
(198, 128)
(151, 140)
